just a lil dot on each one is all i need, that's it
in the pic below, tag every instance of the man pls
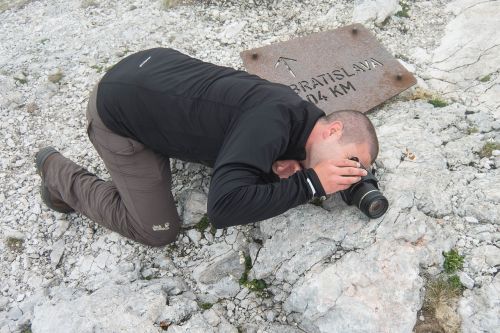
(269, 149)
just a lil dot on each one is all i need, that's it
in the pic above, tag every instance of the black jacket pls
(230, 120)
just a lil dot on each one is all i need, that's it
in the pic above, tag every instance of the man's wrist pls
(314, 183)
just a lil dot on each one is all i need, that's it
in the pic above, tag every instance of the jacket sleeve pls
(251, 146)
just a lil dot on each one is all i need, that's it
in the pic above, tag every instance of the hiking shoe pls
(53, 203)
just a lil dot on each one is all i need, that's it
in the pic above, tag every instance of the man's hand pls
(338, 175)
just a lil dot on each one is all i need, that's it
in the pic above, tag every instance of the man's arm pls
(250, 148)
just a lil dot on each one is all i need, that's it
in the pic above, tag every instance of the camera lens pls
(373, 204)
(369, 200)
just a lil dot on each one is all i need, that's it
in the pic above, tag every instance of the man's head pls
(342, 134)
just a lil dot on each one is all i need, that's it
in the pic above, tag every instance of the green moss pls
(404, 12)
(98, 68)
(472, 130)
(257, 285)
(205, 306)
(14, 244)
(488, 148)
(203, 224)
(316, 201)
(20, 80)
(453, 261)
(485, 78)
(454, 282)
(437, 102)
(26, 328)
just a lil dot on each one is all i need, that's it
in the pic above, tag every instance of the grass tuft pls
(472, 130)
(454, 282)
(488, 148)
(205, 306)
(437, 102)
(167, 4)
(404, 12)
(453, 261)
(256, 285)
(439, 291)
(56, 77)
(14, 244)
(485, 78)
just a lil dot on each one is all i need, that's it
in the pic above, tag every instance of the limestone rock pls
(469, 51)
(480, 308)
(219, 275)
(195, 206)
(374, 10)
(198, 324)
(484, 257)
(352, 294)
(112, 308)
(57, 252)
(296, 240)
(178, 309)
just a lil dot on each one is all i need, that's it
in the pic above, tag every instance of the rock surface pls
(480, 309)
(466, 59)
(366, 11)
(314, 268)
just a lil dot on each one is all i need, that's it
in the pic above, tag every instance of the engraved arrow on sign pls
(282, 60)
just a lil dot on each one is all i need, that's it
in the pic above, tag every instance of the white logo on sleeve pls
(161, 227)
(145, 61)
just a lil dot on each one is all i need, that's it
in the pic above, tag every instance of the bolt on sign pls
(346, 68)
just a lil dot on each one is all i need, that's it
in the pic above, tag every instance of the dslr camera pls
(366, 195)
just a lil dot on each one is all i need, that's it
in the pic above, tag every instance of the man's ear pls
(334, 128)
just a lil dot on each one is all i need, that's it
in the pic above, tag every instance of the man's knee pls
(160, 238)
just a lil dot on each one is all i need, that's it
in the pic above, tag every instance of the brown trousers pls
(137, 203)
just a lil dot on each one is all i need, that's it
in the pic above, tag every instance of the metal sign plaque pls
(346, 68)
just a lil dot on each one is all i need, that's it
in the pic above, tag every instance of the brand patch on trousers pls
(161, 227)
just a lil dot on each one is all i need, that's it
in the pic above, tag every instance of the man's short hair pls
(357, 129)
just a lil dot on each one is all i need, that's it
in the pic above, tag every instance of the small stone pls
(15, 313)
(209, 237)
(230, 306)
(61, 227)
(211, 317)
(57, 252)
(471, 219)
(270, 315)
(195, 207)
(194, 235)
(466, 280)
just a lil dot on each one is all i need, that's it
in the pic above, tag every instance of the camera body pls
(366, 196)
